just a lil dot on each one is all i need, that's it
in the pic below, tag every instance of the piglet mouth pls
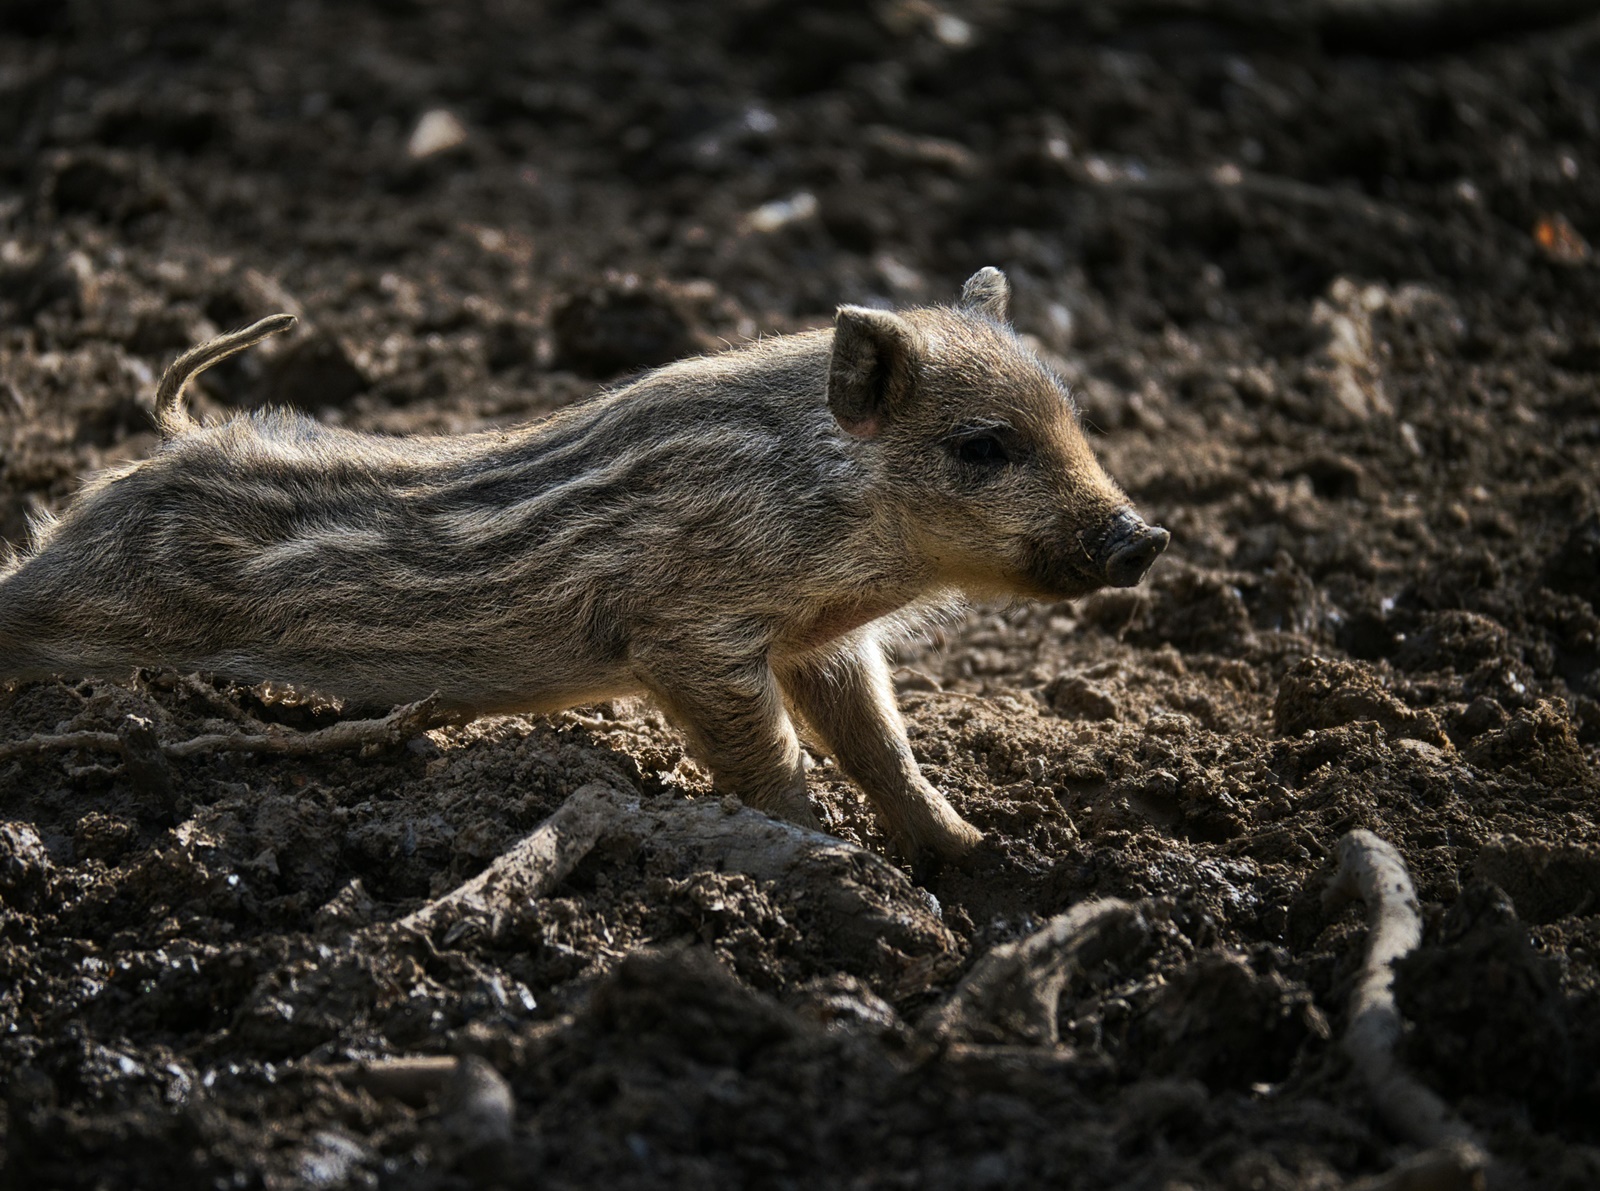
(1130, 549)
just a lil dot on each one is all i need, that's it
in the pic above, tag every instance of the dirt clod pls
(1321, 693)
(1487, 1010)
(24, 863)
(622, 325)
(1226, 1024)
(312, 373)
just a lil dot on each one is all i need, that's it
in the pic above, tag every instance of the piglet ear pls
(874, 368)
(987, 292)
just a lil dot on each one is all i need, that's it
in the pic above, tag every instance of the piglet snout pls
(1131, 548)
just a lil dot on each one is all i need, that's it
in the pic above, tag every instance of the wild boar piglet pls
(737, 535)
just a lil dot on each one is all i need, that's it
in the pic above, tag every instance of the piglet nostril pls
(1130, 561)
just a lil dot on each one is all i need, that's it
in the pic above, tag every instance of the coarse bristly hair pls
(737, 535)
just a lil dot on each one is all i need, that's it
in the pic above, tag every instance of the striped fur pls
(711, 534)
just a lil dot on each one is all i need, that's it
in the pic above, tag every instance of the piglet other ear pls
(874, 367)
(987, 292)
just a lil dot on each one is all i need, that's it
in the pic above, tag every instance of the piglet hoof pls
(951, 840)
(961, 840)
(791, 808)
(804, 816)
(928, 864)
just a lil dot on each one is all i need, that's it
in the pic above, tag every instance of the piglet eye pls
(983, 450)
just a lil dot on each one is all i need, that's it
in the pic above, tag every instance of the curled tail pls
(171, 418)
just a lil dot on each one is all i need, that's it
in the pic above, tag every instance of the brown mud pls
(1333, 316)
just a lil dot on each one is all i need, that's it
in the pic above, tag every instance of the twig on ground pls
(214, 699)
(1387, 27)
(399, 725)
(1183, 183)
(412, 1079)
(1012, 993)
(1370, 869)
(865, 903)
(502, 894)
(1458, 1166)
(63, 742)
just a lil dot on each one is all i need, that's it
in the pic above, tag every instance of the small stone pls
(24, 863)
(349, 909)
(1345, 366)
(1423, 751)
(438, 131)
(329, 1159)
(845, 1002)
(1559, 240)
(952, 31)
(1482, 715)
(769, 217)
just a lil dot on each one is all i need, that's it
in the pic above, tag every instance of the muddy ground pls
(1325, 297)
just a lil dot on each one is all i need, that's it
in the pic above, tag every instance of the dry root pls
(862, 898)
(1370, 869)
(502, 894)
(1455, 1167)
(136, 743)
(412, 1079)
(1267, 188)
(1387, 26)
(867, 905)
(1012, 994)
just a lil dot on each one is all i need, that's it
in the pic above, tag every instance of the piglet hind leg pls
(846, 697)
(734, 715)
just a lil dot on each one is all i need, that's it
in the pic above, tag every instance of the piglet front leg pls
(733, 712)
(846, 697)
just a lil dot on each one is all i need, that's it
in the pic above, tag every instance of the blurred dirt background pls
(1323, 287)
